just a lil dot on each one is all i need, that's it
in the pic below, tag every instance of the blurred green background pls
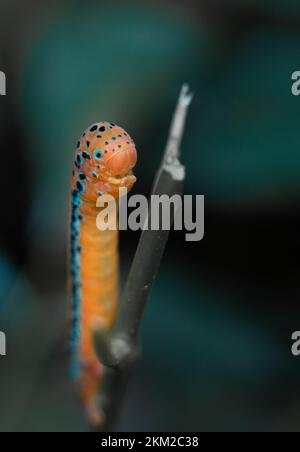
(216, 336)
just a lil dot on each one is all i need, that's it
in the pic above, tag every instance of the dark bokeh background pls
(216, 337)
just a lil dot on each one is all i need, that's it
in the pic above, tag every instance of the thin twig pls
(120, 350)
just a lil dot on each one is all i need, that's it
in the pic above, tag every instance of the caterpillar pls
(104, 159)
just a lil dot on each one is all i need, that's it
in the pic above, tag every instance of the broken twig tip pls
(186, 96)
(172, 154)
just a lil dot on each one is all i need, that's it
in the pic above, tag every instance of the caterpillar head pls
(105, 157)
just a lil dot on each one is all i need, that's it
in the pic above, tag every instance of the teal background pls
(217, 331)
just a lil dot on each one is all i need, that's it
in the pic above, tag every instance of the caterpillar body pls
(105, 157)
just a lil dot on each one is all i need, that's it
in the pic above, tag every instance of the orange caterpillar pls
(104, 159)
